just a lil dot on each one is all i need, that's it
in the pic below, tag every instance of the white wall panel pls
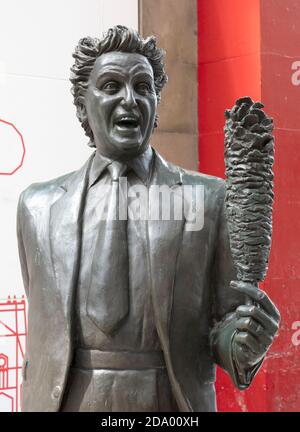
(120, 12)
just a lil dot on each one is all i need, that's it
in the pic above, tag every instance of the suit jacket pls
(190, 274)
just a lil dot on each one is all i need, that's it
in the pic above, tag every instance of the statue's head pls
(117, 82)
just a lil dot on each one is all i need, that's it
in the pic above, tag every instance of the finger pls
(244, 353)
(249, 341)
(269, 324)
(251, 326)
(258, 296)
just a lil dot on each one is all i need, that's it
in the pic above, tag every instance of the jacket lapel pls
(65, 232)
(164, 242)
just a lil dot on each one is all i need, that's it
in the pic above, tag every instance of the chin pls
(128, 147)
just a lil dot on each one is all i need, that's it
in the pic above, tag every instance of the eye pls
(111, 87)
(143, 87)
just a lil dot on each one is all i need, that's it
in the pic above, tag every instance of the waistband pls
(96, 359)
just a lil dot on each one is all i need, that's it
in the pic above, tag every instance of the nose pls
(129, 100)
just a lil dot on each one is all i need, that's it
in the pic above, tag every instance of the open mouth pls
(127, 123)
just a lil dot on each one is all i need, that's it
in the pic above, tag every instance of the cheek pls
(99, 105)
(149, 107)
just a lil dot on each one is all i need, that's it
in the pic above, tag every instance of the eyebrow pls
(144, 74)
(139, 66)
(119, 72)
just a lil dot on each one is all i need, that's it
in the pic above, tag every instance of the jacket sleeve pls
(21, 247)
(225, 302)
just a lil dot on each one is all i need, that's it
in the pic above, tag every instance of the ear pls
(155, 121)
(81, 112)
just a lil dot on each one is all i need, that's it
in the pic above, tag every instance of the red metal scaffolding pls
(13, 330)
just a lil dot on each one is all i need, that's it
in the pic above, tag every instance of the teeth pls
(129, 121)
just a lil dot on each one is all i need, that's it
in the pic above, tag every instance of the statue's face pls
(121, 104)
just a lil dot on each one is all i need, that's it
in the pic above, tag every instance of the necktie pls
(107, 301)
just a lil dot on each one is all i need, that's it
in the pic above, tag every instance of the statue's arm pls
(226, 301)
(21, 247)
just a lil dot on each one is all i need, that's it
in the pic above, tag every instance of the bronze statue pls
(131, 313)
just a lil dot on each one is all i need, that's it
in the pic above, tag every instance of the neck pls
(122, 157)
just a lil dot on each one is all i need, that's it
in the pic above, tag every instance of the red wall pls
(253, 51)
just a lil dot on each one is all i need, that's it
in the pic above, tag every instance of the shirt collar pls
(141, 165)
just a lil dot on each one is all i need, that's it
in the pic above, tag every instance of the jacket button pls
(56, 392)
